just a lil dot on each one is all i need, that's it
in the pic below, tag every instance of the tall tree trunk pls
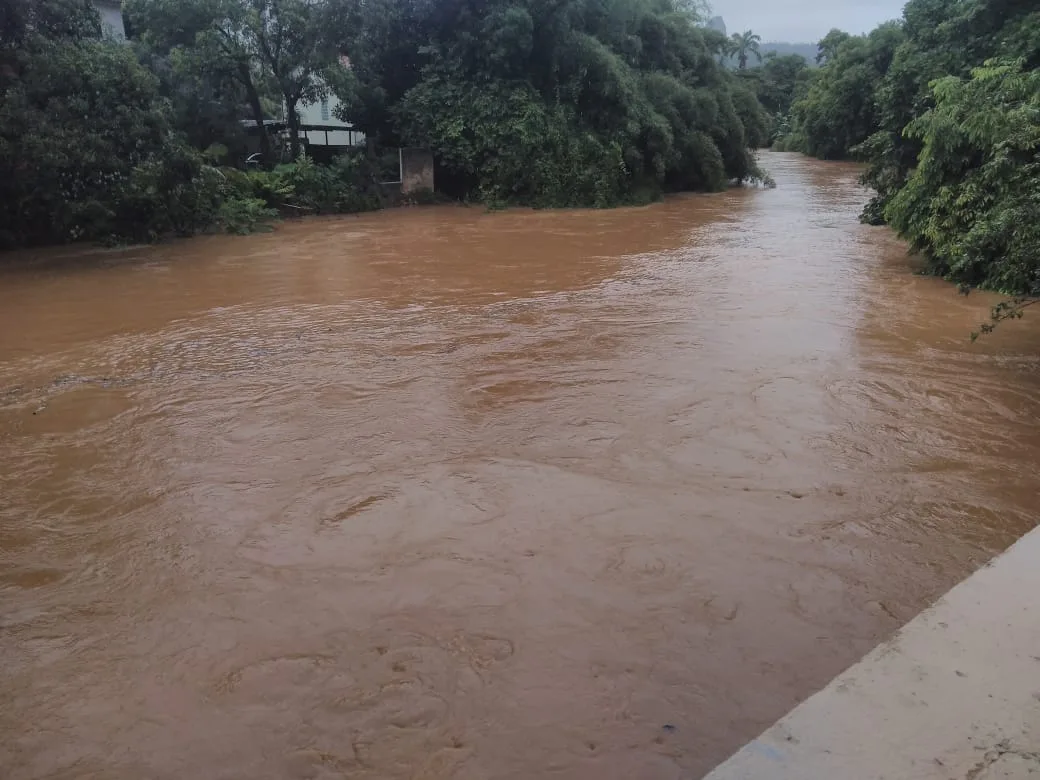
(258, 113)
(294, 126)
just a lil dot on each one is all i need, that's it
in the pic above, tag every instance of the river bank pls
(56, 255)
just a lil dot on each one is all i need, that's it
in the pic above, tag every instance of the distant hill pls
(807, 50)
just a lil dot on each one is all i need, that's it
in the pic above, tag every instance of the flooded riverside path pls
(436, 493)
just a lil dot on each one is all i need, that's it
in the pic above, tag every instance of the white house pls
(329, 130)
(111, 18)
(333, 131)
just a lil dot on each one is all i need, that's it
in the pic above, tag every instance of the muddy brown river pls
(436, 493)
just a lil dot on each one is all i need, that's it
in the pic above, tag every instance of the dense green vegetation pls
(538, 102)
(944, 106)
(541, 102)
(553, 102)
(85, 143)
(778, 82)
(109, 142)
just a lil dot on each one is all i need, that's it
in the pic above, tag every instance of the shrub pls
(972, 204)
(87, 150)
(305, 187)
(272, 187)
(242, 216)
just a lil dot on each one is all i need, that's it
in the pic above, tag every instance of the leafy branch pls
(1011, 309)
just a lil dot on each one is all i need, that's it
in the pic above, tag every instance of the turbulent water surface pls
(436, 493)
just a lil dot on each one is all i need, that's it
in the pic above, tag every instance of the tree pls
(744, 45)
(839, 110)
(207, 39)
(941, 37)
(719, 44)
(943, 105)
(207, 101)
(828, 46)
(972, 203)
(541, 102)
(290, 39)
(783, 79)
(388, 44)
(287, 46)
(698, 9)
(86, 145)
(24, 23)
(559, 102)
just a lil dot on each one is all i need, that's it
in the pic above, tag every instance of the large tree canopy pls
(972, 203)
(285, 49)
(87, 149)
(554, 102)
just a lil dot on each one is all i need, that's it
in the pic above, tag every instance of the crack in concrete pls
(997, 752)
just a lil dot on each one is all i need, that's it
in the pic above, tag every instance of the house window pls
(325, 110)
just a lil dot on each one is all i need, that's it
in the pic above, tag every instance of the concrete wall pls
(416, 170)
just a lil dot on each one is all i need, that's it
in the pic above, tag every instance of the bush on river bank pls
(86, 148)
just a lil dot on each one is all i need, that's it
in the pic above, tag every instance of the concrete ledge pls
(955, 695)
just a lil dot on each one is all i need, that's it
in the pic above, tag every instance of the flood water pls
(436, 493)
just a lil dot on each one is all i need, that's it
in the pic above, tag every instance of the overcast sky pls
(797, 21)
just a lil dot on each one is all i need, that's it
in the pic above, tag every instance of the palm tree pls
(745, 44)
(719, 45)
